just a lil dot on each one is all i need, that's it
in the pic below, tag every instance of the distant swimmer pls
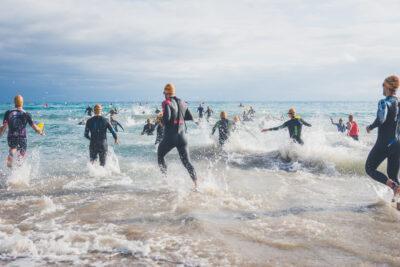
(295, 125)
(89, 111)
(175, 113)
(236, 123)
(251, 112)
(224, 127)
(352, 128)
(159, 128)
(200, 110)
(96, 132)
(16, 120)
(387, 145)
(209, 113)
(148, 128)
(115, 124)
(241, 105)
(341, 127)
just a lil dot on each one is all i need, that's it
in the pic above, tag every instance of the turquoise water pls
(262, 200)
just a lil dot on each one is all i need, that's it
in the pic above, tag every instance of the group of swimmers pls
(171, 132)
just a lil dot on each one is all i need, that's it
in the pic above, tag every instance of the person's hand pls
(116, 141)
(264, 130)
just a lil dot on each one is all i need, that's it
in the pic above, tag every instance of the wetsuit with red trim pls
(175, 113)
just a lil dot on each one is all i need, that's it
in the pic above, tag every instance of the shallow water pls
(263, 201)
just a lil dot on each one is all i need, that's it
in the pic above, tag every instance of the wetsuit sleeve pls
(215, 127)
(381, 115)
(144, 129)
(5, 119)
(29, 119)
(119, 124)
(166, 113)
(87, 128)
(111, 129)
(279, 127)
(305, 123)
(188, 115)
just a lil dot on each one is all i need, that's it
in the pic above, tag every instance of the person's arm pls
(33, 125)
(112, 131)
(119, 124)
(188, 115)
(215, 127)
(381, 115)
(87, 130)
(144, 130)
(305, 123)
(5, 123)
(333, 122)
(275, 128)
(166, 112)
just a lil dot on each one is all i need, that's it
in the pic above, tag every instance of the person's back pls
(387, 129)
(353, 130)
(175, 113)
(97, 126)
(17, 121)
(224, 128)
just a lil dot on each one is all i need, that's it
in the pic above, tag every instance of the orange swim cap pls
(97, 109)
(169, 89)
(18, 101)
(392, 82)
(223, 115)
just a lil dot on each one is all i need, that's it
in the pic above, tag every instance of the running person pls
(89, 111)
(96, 132)
(16, 120)
(148, 128)
(387, 145)
(200, 110)
(209, 112)
(341, 127)
(352, 128)
(175, 113)
(224, 127)
(295, 125)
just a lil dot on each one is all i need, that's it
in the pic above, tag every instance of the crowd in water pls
(170, 128)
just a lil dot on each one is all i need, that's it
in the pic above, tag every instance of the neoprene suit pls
(295, 126)
(387, 144)
(175, 113)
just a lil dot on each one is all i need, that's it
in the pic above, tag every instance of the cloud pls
(134, 47)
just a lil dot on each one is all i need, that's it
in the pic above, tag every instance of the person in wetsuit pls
(341, 127)
(209, 112)
(352, 128)
(16, 120)
(200, 110)
(224, 127)
(387, 145)
(89, 111)
(96, 132)
(159, 128)
(175, 113)
(148, 128)
(115, 124)
(295, 125)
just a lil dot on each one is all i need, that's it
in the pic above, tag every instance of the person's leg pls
(393, 162)
(10, 157)
(185, 158)
(103, 156)
(163, 148)
(375, 158)
(93, 154)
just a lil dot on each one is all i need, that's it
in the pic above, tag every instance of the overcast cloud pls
(212, 50)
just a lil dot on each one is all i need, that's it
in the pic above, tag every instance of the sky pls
(254, 50)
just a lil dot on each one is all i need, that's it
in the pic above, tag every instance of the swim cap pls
(169, 89)
(392, 82)
(223, 115)
(97, 109)
(292, 111)
(18, 101)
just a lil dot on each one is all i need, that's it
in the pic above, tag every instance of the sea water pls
(263, 200)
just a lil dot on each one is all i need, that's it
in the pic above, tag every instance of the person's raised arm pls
(275, 128)
(305, 123)
(33, 125)
(215, 127)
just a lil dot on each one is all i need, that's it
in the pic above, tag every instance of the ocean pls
(263, 200)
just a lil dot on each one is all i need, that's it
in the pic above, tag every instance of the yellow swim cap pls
(169, 89)
(18, 101)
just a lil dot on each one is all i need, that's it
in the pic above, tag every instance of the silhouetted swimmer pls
(224, 127)
(148, 128)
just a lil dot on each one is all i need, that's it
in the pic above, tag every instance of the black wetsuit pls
(16, 120)
(115, 124)
(200, 110)
(148, 129)
(224, 127)
(175, 113)
(340, 127)
(387, 144)
(98, 126)
(89, 111)
(209, 112)
(160, 133)
(295, 126)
